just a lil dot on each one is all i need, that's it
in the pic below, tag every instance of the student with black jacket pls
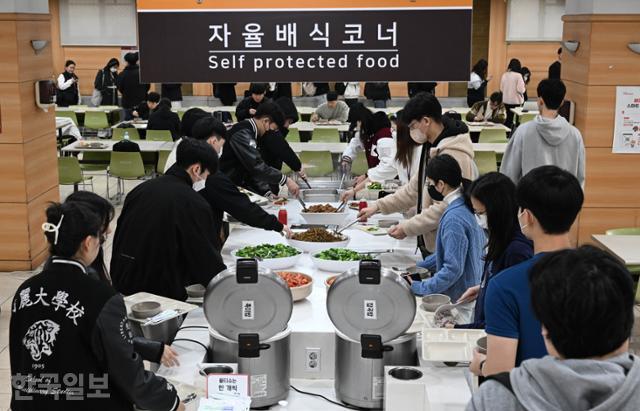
(105, 83)
(378, 92)
(248, 106)
(133, 92)
(67, 93)
(241, 160)
(162, 118)
(69, 337)
(173, 92)
(226, 92)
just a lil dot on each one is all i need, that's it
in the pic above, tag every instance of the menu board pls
(626, 135)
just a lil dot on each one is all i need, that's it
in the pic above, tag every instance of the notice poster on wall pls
(320, 40)
(626, 135)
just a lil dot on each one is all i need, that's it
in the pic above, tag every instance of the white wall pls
(603, 6)
(24, 6)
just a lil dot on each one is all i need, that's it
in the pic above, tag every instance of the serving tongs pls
(304, 206)
(306, 182)
(341, 207)
(351, 224)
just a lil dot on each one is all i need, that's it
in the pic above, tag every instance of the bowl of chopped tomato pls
(300, 284)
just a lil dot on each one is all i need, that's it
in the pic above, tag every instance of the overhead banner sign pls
(324, 40)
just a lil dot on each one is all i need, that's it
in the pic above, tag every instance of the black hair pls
(422, 105)
(104, 209)
(131, 58)
(112, 62)
(553, 196)
(189, 118)
(68, 63)
(208, 127)
(514, 65)
(552, 92)
(480, 68)
(191, 151)
(258, 88)
(559, 50)
(278, 117)
(267, 109)
(498, 195)
(404, 143)
(446, 168)
(288, 109)
(526, 74)
(332, 96)
(154, 97)
(77, 221)
(359, 113)
(584, 298)
(496, 97)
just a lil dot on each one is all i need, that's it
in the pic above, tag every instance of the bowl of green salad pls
(338, 259)
(273, 256)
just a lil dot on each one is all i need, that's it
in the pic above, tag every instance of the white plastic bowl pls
(336, 267)
(274, 263)
(324, 218)
(314, 248)
(303, 291)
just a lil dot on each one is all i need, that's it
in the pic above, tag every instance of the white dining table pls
(340, 147)
(145, 145)
(625, 247)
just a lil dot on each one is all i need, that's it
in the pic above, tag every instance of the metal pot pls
(360, 381)
(268, 373)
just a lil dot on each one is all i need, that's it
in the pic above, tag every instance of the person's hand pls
(252, 111)
(478, 358)
(470, 295)
(360, 179)
(181, 407)
(368, 212)
(478, 117)
(315, 117)
(287, 231)
(397, 232)
(346, 195)
(293, 188)
(135, 113)
(302, 174)
(169, 357)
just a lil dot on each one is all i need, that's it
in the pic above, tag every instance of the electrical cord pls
(186, 327)
(347, 406)
(206, 349)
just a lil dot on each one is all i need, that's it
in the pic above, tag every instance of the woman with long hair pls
(492, 198)
(477, 86)
(513, 89)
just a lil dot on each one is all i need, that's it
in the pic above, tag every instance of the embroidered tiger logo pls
(40, 338)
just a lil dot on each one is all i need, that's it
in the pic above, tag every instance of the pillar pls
(28, 166)
(602, 62)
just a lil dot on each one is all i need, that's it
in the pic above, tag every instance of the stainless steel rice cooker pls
(248, 309)
(372, 308)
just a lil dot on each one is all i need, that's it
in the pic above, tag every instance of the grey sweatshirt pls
(550, 384)
(341, 112)
(544, 142)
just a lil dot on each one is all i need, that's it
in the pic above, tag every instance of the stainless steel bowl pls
(146, 309)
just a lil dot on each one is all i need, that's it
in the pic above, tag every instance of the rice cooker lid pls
(371, 300)
(246, 299)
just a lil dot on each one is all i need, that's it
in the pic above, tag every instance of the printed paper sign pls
(370, 310)
(248, 310)
(236, 385)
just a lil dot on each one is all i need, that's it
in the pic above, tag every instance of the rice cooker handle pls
(247, 271)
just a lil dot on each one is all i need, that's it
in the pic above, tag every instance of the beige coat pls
(426, 223)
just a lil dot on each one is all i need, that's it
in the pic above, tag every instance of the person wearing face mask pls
(106, 83)
(241, 160)
(492, 197)
(549, 199)
(70, 329)
(437, 134)
(273, 145)
(164, 239)
(219, 191)
(457, 261)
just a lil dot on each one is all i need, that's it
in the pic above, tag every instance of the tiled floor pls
(9, 282)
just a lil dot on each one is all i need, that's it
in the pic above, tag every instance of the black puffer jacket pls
(242, 162)
(377, 91)
(106, 83)
(133, 92)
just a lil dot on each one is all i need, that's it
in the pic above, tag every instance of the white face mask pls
(114, 69)
(418, 136)
(199, 185)
(522, 227)
(220, 152)
(482, 221)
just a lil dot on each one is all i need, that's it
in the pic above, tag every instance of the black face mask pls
(284, 131)
(434, 194)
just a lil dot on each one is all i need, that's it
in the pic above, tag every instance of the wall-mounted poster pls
(185, 41)
(626, 135)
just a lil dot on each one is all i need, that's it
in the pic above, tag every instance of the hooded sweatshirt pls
(551, 384)
(544, 142)
(456, 142)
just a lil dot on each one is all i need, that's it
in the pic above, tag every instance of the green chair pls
(624, 231)
(124, 166)
(325, 135)
(163, 156)
(118, 133)
(485, 161)
(234, 117)
(493, 135)
(96, 120)
(360, 166)
(181, 113)
(526, 117)
(633, 269)
(70, 173)
(293, 136)
(159, 135)
(69, 114)
(317, 163)
(95, 160)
